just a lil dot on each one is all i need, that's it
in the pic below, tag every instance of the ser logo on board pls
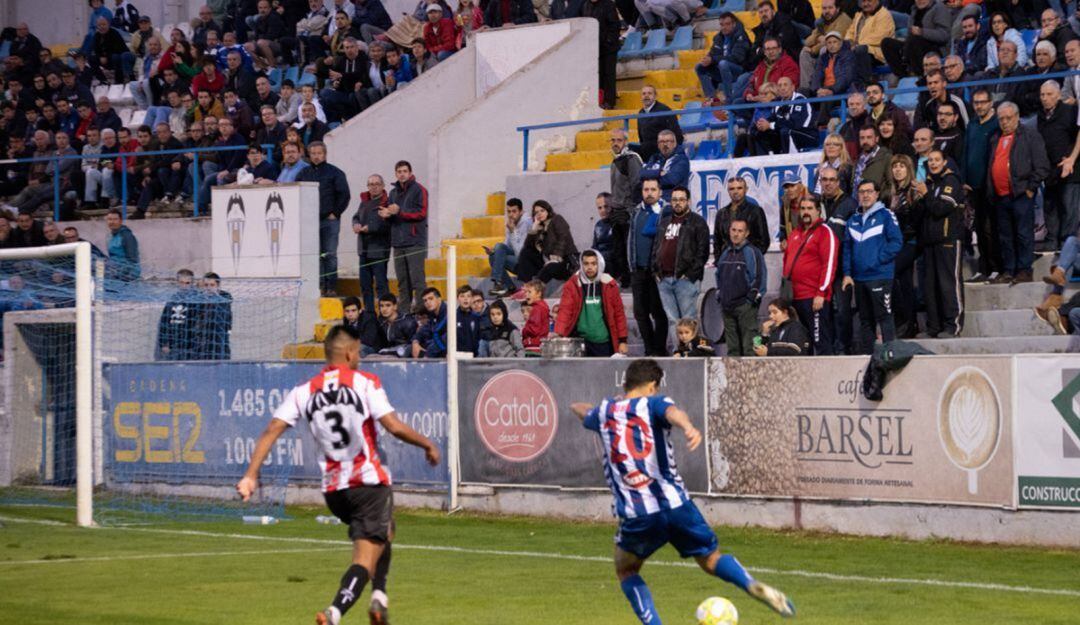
(516, 416)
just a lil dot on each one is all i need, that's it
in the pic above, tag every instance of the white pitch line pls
(944, 583)
(159, 556)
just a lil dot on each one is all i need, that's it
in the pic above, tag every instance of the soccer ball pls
(717, 611)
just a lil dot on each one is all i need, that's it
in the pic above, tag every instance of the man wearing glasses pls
(871, 244)
(837, 208)
(975, 163)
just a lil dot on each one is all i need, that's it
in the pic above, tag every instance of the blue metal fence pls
(731, 108)
(269, 147)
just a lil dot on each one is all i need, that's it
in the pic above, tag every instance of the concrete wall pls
(572, 194)
(165, 245)
(474, 152)
(399, 127)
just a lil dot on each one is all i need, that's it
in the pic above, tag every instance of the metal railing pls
(195, 173)
(731, 108)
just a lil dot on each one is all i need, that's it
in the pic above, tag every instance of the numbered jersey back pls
(639, 462)
(341, 406)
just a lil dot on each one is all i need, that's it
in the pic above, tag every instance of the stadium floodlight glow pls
(84, 293)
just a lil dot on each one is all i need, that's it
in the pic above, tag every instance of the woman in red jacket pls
(591, 307)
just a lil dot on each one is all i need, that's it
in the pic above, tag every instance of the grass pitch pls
(501, 571)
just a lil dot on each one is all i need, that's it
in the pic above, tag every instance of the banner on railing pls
(793, 427)
(197, 423)
(517, 427)
(764, 176)
(1048, 431)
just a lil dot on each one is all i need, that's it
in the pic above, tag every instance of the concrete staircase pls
(472, 268)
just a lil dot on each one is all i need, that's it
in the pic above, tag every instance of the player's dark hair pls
(351, 301)
(336, 334)
(641, 372)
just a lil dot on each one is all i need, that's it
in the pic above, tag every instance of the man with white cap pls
(440, 33)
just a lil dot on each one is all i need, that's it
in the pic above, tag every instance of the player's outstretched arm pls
(403, 432)
(680, 419)
(581, 409)
(247, 484)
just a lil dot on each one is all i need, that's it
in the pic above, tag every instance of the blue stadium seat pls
(293, 73)
(1031, 37)
(683, 39)
(709, 150)
(5, 49)
(723, 6)
(907, 101)
(630, 45)
(882, 70)
(696, 121)
(305, 79)
(901, 21)
(274, 76)
(654, 41)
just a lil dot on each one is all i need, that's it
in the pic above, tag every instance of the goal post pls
(84, 395)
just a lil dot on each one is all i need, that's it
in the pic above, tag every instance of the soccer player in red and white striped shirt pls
(341, 405)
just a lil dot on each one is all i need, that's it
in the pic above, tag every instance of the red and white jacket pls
(813, 273)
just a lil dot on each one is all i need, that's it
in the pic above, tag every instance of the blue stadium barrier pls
(630, 45)
(732, 121)
(124, 174)
(694, 123)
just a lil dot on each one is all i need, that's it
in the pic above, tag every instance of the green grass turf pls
(220, 585)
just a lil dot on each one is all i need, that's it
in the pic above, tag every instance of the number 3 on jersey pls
(334, 419)
(635, 428)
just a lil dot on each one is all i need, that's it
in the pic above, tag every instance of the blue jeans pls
(373, 270)
(336, 104)
(1016, 228)
(157, 115)
(1074, 320)
(502, 257)
(679, 299)
(207, 169)
(723, 73)
(329, 233)
(1070, 251)
(206, 184)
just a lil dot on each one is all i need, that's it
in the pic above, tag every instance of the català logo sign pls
(516, 416)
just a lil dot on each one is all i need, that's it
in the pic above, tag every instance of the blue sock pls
(637, 593)
(729, 570)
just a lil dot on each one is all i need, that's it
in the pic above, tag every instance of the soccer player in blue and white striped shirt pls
(651, 502)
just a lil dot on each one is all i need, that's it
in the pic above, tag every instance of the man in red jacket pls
(440, 33)
(591, 307)
(810, 265)
(774, 66)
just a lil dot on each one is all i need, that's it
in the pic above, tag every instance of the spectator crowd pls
(879, 235)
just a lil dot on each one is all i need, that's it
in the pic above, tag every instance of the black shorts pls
(367, 510)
